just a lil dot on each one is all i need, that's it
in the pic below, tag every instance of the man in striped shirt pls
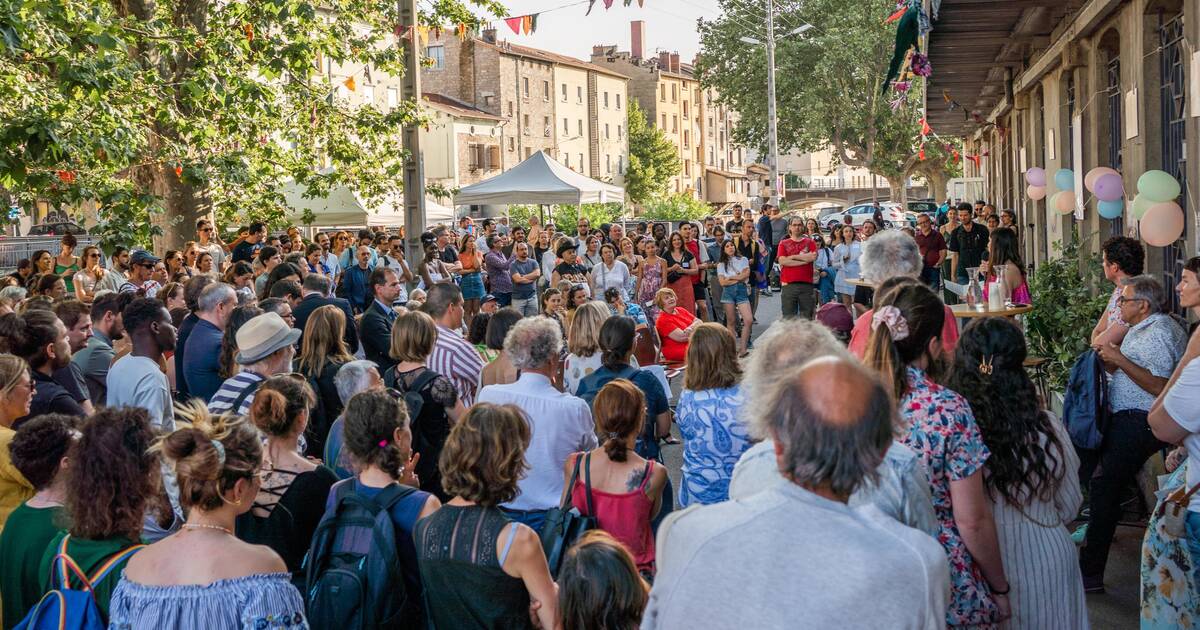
(452, 356)
(266, 345)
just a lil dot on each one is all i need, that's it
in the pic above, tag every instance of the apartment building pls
(712, 168)
(546, 102)
(462, 144)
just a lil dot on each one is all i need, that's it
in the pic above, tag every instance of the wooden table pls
(962, 310)
(859, 282)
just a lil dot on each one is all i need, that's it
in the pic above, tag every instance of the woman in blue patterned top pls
(202, 576)
(713, 437)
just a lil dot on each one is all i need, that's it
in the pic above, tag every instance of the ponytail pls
(907, 316)
(616, 449)
(881, 355)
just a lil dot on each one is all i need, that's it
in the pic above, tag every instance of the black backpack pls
(353, 576)
(412, 394)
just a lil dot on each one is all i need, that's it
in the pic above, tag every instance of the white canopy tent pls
(539, 180)
(344, 208)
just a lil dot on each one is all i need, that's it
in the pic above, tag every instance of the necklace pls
(206, 526)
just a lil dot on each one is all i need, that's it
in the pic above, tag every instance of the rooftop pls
(456, 107)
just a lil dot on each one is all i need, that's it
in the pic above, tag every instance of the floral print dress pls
(940, 427)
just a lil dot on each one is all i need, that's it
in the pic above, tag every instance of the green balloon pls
(1158, 186)
(1141, 204)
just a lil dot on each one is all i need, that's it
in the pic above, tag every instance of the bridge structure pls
(804, 198)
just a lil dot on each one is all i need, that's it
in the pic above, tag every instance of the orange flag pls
(349, 83)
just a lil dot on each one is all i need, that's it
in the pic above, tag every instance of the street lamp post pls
(772, 127)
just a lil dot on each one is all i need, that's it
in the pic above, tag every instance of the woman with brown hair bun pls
(623, 490)
(291, 498)
(202, 576)
(599, 587)
(110, 481)
(479, 569)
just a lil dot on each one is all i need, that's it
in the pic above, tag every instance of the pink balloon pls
(1109, 187)
(1064, 201)
(1089, 180)
(1162, 224)
(1035, 176)
(1036, 193)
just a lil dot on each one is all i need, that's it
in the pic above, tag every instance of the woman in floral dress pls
(653, 270)
(938, 424)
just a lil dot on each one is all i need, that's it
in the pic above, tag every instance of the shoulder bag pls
(565, 524)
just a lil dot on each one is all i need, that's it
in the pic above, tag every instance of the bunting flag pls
(527, 24)
(592, 3)
(608, 4)
(533, 23)
(641, 4)
(921, 153)
(514, 23)
(423, 36)
(349, 83)
(954, 156)
(895, 16)
(461, 31)
(925, 128)
(975, 159)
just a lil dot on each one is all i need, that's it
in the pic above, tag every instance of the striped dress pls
(254, 602)
(1040, 561)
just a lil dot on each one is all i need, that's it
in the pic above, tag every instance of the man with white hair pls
(901, 489)
(888, 257)
(353, 377)
(561, 424)
(796, 555)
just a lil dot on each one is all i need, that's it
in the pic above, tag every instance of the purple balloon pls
(1109, 187)
(1035, 176)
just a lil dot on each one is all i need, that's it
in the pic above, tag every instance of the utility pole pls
(414, 167)
(772, 137)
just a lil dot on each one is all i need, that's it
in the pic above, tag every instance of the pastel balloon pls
(1139, 206)
(1036, 193)
(1035, 176)
(1064, 179)
(1109, 187)
(1089, 180)
(1158, 186)
(1111, 209)
(1064, 201)
(1162, 225)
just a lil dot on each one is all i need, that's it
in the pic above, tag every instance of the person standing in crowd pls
(653, 276)
(77, 318)
(845, 261)
(561, 424)
(612, 483)
(112, 476)
(478, 568)
(610, 273)
(453, 356)
(498, 266)
(751, 249)
(412, 340)
(938, 424)
(699, 252)
(247, 250)
(733, 272)
(1031, 477)
(323, 352)
(1175, 415)
(1003, 250)
(500, 371)
(40, 338)
(826, 274)
(583, 344)
(933, 251)
(734, 225)
(356, 281)
(826, 407)
(16, 395)
(98, 354)
(292, 491)
(524, 273)
(599, 586)
(864, 295)
(266, 345)
(968, 245)
(39, 453)
(1121, 257)
(393, 259)
(376, 325)
(202, 576)
(681, 266)
(796, 254)
(84, 281)
(208, 241)
(470, 261)
(674, 325)
(141, 271)
(201, 354)
(314, 292)
(708, 417)
(352, 378)
(136, 379)
(1142, 365)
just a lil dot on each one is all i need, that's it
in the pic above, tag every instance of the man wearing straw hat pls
(266, 345)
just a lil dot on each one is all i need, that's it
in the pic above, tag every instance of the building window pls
(674, 123)
(606, 100)
(579, 94)
(581, 128)
(685, 109)
(618, 97)
(545, 90)
(528, 152)
(580, 162)
(621, 164)
(566, 126)
(546, 124)
(510, 109)
(608, 164)
(564, 92)
(393, 97)
(512, 143)
(687, 143)
(526, 126)
(606, 131)
(664, 122)
(662, 92)
(674, 93)
(525, 86)
(438, 55)
(619, 132)
(567, 160)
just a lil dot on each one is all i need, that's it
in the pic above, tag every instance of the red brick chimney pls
(664, 61)
(489, 35)
(637, 38)
(674, 62)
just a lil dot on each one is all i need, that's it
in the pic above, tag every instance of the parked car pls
(56, 229)
(893, 216)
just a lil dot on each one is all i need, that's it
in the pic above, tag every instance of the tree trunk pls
(896, 191)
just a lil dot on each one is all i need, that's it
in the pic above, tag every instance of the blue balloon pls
(1111, 209)
(1064, 179)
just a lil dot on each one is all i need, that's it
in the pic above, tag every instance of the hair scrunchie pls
(891, 317)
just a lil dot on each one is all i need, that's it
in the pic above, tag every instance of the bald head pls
(832, 421)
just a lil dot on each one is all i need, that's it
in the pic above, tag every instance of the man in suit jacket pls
(315, 294)
(377, 319)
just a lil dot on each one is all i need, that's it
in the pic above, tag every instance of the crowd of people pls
(291, 431)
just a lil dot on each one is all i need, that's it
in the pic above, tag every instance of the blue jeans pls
(533, 518)
(932, 277)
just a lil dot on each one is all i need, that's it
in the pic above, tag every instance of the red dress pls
(679, 319)
(625, 515)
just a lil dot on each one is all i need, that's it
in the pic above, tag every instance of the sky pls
(670, 25)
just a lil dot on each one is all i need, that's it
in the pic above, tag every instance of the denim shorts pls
(735, 294)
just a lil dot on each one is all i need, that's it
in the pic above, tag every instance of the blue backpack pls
(65, 608)
(1085, 403)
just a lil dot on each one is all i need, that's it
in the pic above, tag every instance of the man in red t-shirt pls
(933, 251)
(689, 233)
(795, 256)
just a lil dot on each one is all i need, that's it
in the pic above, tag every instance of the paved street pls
(1116, 609)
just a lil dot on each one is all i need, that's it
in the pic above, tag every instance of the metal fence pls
(15, 248)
